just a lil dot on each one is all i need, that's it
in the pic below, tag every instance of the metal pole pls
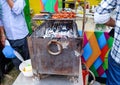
(84, 17)
(80, 79)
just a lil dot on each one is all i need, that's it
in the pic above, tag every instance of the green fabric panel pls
(106, 55)
(59, 3)
(98, 34)
(92, 68)
(105, 64)
(27, 16)
(110, 42)
(49, 7)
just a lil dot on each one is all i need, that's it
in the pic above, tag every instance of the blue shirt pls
(102, 15)
(1, 24)
(13, 19)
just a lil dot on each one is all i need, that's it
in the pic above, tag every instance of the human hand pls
(8, 51)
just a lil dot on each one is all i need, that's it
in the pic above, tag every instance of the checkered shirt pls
(104, 9)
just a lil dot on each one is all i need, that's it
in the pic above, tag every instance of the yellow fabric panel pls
(89, 34)
(35, 5)
(95, 49)
(93, 2)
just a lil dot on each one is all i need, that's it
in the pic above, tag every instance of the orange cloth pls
(41, 5)
(95, 48)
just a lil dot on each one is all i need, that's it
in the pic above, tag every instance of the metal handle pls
(56, 43)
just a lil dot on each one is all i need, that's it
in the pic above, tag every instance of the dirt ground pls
(9, 78)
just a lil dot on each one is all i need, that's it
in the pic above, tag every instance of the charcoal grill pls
(56, 53)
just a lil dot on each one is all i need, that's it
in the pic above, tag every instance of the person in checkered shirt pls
(102, 15)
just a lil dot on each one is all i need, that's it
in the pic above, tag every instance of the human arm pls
(11, 3)
(2, 34)
(104, 19)
(103, 12)
(110, 23)
(16, 6)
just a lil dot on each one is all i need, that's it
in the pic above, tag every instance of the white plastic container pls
(22, 67)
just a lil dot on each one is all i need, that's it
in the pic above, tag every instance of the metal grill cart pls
(55, 48)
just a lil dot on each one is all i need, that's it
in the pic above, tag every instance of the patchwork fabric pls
(96, 47)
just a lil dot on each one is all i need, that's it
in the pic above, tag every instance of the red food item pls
(78, 0)
(63, 14)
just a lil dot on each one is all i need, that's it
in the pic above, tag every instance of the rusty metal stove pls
(55, 55)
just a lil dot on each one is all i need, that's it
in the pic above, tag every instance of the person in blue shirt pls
(102, 15)
(15, 29)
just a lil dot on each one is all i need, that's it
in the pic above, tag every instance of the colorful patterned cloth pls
(50, 5)
(96, 47)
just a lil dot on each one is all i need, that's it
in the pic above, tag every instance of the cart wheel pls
(54, 43)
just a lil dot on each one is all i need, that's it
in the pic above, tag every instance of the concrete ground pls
(11, 77)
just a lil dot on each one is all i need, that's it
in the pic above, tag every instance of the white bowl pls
(22, 67)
